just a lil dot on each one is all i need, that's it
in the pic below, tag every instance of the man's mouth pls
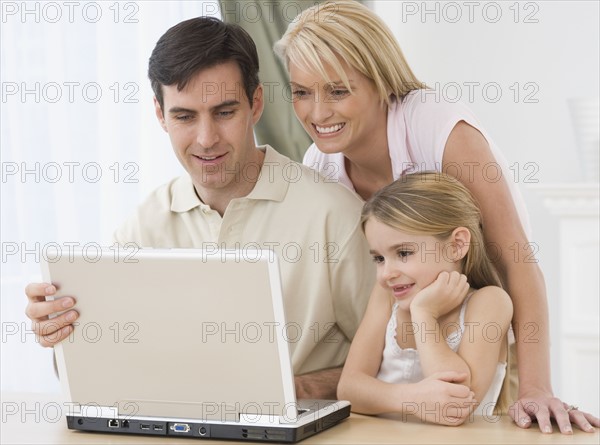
(329, 129)
(209, 158)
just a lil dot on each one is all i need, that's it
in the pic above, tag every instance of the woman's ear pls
(460, 240)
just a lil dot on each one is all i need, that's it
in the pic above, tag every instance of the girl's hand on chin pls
(444, 294)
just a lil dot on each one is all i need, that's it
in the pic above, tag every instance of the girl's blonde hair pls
(345, 30)
(433, 203)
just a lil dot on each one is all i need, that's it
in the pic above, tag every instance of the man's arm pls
(318, 384)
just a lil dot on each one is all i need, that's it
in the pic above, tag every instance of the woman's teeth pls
(327, 130)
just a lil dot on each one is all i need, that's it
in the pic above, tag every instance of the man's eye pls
(225, 113)
(183, 117)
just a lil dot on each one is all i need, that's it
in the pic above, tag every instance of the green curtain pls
(266, 21)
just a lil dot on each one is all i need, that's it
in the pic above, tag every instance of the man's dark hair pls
(197, 44)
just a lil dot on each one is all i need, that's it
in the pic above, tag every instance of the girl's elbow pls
(342, 389)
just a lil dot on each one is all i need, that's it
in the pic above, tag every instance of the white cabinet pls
(578, 330)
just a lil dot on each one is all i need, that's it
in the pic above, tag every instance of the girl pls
(438, 314)
(372, 120)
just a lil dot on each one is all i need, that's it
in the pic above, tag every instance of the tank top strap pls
(393, 318)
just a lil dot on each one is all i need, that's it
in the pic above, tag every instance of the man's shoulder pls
(320, 190)
(153, 216)
(167, 195)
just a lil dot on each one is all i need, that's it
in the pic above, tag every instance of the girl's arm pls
(487, 320)
(521, 276)
(368, 395)
(434, 352)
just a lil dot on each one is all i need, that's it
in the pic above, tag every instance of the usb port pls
(158, 427)
(113, 423)
(144, 426)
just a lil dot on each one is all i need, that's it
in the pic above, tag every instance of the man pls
(208, 98)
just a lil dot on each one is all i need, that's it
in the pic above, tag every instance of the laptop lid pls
(175, 333)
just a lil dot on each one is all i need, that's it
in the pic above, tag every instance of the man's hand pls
(49, 331)
(543, 406)
(318, 385)
(444, 294)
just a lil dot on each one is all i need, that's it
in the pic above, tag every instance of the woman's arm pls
(521, 276)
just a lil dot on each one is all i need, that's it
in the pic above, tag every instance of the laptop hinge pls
(259, 419)
(93, 411)
(290, 415)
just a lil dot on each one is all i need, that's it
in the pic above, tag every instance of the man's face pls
(210, 123)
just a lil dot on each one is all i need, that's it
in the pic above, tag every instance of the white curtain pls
(80, 143)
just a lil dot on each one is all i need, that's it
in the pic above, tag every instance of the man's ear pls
(460, 240)
(159, 114)
(258, 104)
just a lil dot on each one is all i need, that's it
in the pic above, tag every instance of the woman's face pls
(336, 120)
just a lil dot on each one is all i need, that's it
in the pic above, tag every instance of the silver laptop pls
(181, 343)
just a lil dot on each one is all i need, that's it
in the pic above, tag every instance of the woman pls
(372, 120)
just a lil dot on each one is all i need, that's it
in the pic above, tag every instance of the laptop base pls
(283, 433)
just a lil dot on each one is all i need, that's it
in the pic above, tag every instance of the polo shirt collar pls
(271, 185)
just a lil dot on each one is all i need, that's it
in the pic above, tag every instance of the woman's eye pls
(404, 253)
(377, 259)
(339, 92)
(335, 95)
(299, 93)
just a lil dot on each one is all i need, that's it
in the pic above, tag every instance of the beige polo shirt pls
(312, 225)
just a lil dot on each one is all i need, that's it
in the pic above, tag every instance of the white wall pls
(551, 49)
(80, 143)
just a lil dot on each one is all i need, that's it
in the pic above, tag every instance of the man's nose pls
(207, 133)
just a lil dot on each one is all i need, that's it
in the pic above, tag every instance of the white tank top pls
(404, 366)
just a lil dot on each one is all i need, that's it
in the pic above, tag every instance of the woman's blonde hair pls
(433, 203)
(348, 31)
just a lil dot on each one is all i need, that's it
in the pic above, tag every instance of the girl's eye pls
(404, 253)
(377, 259)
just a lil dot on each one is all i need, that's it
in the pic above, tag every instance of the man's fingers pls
(38, 291)
(49, 327)
(55, 337)
(40, 310)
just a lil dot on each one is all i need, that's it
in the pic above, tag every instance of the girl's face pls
(336, 120)
(407, 263)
